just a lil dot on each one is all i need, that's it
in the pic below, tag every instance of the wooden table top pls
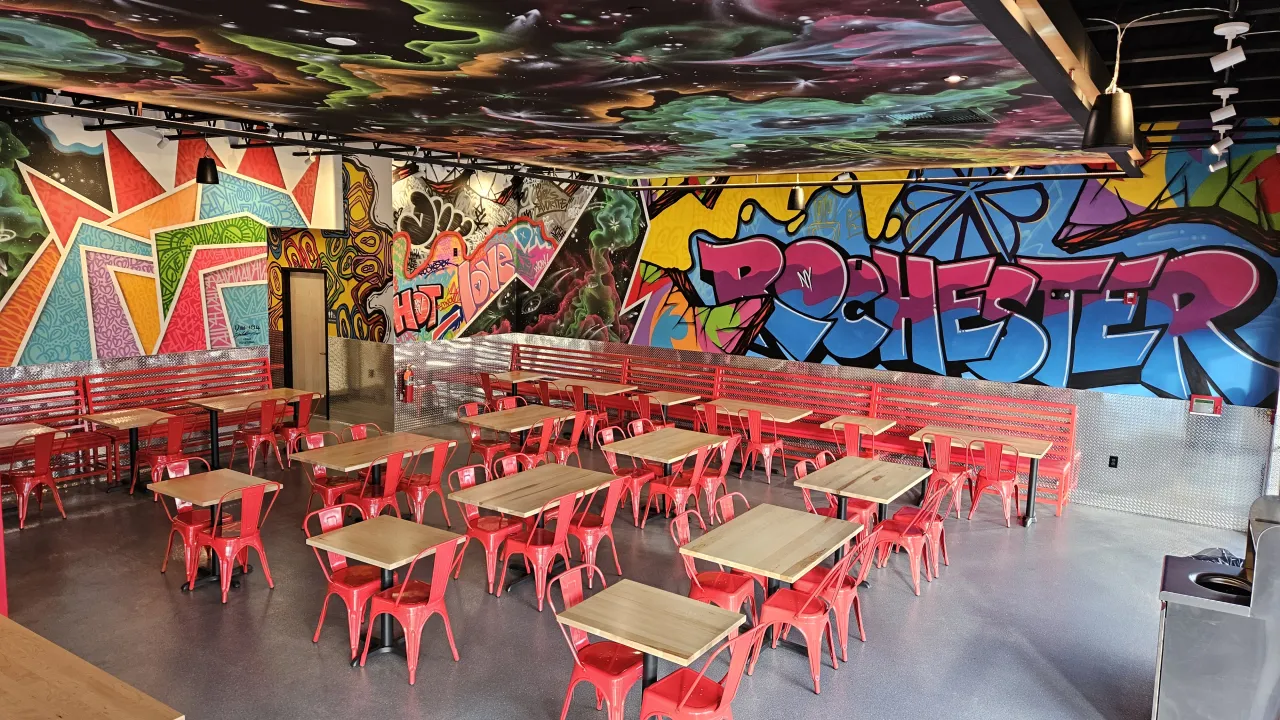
(865, 479)
(205, 489)
(384, 541)
(14, 433)
(523, 494)
(603, 388)
(773, 541)
(518, 376)
(654, 621)
(518, 419)
(666, 445)
(873, 426)
(1027, 447)
(360, 454)
(128, 418)
(672, 397)
(236, 402)
(781, 413)
(43, 681)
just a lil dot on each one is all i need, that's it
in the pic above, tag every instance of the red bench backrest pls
(57, 403)
(568, 363)
(168, 388)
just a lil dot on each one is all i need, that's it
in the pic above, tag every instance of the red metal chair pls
(713, 479)
(541, 546)
(488, 530)
(419, 486)
(999, 476)
(677, 489)
(301, 424)
(843, 595)
(847, 440)
(268, 414)
(538, 442)
(231, 540)
(414, 602)
(510, 402)
(486, 449)
(723, 511)
(761, 444)
(563, 450)
(708, 418)
(644, 408)
(515, 463)
(373, 500)
(933, 526)
(863, 512)
(591, 529)
(689, 695)
(823, 459)
(170, 431)
(727, 590)
(640, 426)
(636, 477)
(486, 384)
(353, 584)
(611, 668)
(329, 488)
(185, 521)
(909, 534)
(810, 613)
(36, 478)
(364, 431)
(550, 394)
(944, 474)
(596, 418)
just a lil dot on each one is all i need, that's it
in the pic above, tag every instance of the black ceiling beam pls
(1164, 56)
(1028, 48)
(1213, 80)
(1136, 11)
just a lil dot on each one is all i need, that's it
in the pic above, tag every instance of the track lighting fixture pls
(1221, 146)
(1013, 172)
(1216, 166)
(1232, 56)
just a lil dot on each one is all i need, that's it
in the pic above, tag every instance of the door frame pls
(286, 299)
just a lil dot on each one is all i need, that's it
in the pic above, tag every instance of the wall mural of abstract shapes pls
(356, 260)
(658, 88)
(1164, 286)
(110, 249)
(468, 243)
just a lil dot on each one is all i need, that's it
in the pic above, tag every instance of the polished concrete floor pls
(1056, 622)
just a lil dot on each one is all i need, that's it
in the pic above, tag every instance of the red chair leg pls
(324, 608)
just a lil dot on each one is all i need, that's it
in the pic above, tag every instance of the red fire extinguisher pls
(406, 385)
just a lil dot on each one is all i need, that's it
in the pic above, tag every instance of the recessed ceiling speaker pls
(207, 171)
(1110, 126)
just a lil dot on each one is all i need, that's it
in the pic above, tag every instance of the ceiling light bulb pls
(1215, 167)
(1221, 146)
(1225, 112)
(1013, 172)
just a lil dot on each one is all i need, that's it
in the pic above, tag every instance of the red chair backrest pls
(606, 436)
(314, 440)
(579, 424)
(486, 383)
(612, 499)
(709, 415)
(724, 508)
(644, 406)
(391, 474)
(180, 468)
(171, 429)
(266, 412)
(726, 453)
(752, 422)
(640, 426)
(439, 453)
(940, 449)
(739, 651)
(578, 394)
(330, 519)
(508, 403)
(361, 431)
(804, 467)
(572, 584)
(852, 432)
(42, 448)
(465, 477)
(444, 553)
(250, 507)
(564, 512)
(513, 463)
(304, 409)
(995, 460)
(544, 431)
(823, 458)
(700, 463)
(681, 535)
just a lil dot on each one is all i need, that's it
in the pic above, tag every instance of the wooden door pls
(308, 336)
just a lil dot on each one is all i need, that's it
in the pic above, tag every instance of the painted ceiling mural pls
(656, 88)
(1164, 286)
(109, 248)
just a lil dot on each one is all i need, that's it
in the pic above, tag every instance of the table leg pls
(842, 512)
(215, 461)
(384, 640)
(650, 670)
(375, 477)
(1030, 515)
(124, 483)
(883, 512)
(858, 453)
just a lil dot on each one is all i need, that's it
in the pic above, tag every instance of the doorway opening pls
(306, 333)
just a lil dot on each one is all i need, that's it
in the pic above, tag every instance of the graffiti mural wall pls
(109, 248)
(1164, 286)
(477, 252)
(356, 258)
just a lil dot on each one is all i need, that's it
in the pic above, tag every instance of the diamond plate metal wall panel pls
(142, 362)
(1171, 464)
(361, 382)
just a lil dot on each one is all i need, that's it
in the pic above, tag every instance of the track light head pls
(1226, 112)
(1227, 59)
(1013, 172)
(1215, 167)
(1221, 146)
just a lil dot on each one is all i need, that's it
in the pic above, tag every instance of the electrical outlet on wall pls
(1113, 462)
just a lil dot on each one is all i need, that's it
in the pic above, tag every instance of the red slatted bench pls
(170, 388)
(911, 407)
(56, 403)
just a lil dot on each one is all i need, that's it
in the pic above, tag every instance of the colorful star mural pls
(657, 88)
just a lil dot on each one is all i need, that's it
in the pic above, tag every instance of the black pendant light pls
(207, 171)
(795, 202)
(1110, 126)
